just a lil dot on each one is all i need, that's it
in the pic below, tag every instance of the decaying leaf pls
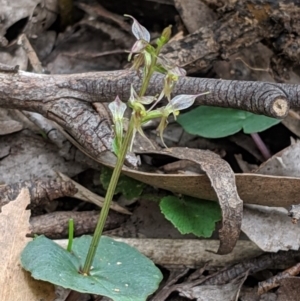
(225, 292)
(37, 158)
(9, 127)
(292, 122)
(284, 163)
(252, 188)
(35, 10)
(222, 180)
(271, 228)
(15, 283)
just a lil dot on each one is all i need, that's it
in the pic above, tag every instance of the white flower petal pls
(147, 100)
(133, 95)
(117, 108)
(138, 30)
(183, 101)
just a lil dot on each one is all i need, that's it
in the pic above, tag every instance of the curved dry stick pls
(36, 92)
(67, 99)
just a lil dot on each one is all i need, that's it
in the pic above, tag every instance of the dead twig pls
(273, 282)
(67, 100)
(253, 265)
(41, 192)
(55, 224)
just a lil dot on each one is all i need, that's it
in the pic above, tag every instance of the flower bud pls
(166, 34)
(117, 108)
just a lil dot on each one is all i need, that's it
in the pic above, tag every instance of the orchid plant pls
(83, 275)
(145, 56)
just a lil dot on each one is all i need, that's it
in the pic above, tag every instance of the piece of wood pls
(55, 224)
(188, 252)
(73, 93)
(71, 106)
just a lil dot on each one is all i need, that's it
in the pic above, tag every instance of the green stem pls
(115, 176)
(146, 82)
(108, 198)
(147, 78)
(71, 235)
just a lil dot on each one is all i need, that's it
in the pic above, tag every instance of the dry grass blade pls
(88, 196)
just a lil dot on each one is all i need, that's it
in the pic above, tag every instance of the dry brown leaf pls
(15, 283)
(252, 188)
(222, 180)
(256, 189)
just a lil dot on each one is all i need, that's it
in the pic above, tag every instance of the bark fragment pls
(41, 192)
(243, 23)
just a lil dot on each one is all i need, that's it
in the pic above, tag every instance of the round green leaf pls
(119, 271)
(214, 122)
(191, 215)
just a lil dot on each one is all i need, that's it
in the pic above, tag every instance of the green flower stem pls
(146, 81)
(148, 76)
(108, 198)
(116, 174)
(153, 115)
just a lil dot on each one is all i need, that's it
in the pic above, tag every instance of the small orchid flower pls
(143, 38)
(172, 75)
(118, 108)
(179, 102)
(139, 112)
(135, 98)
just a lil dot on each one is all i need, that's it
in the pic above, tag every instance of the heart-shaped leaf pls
(214, 122)
(191, 215)
(119, 271)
